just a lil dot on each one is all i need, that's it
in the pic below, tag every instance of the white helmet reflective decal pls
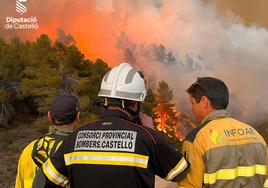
(123, 82)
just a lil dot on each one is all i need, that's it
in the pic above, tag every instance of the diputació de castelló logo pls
(21, 6)
(21, 23)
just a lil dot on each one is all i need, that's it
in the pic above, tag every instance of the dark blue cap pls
(64, 108)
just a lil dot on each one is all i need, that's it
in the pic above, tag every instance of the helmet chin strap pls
(134, 113)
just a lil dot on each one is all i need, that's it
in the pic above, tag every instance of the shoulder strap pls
(43, 148)
(54, 147)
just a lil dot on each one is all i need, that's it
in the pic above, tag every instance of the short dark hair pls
(214, 89)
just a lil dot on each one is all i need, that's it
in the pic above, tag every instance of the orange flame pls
(93, 24)
(162, 125)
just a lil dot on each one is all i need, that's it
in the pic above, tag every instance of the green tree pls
(149, 104)
(43, 68)
(12, 59)
(9, 91)
(89, 86)
(12, 62)
(167, 116)
(40, 80)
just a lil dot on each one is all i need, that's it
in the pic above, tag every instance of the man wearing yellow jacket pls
(63, 113)
(223, 151)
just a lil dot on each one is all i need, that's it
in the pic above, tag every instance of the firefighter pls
(62, 115)
(223, 151)
(115, 151)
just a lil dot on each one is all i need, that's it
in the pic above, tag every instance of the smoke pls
(65, 39)
(250, 12)
(175, 41)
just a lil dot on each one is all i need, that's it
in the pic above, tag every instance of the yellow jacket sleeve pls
(26, 168)
(195, 175)
(19, 177)
(266, 182)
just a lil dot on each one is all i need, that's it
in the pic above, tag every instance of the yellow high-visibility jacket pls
(224, 152)
(27, 167)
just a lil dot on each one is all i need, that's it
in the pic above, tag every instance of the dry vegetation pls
(12, 142)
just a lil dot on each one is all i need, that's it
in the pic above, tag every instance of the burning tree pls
(166, 115)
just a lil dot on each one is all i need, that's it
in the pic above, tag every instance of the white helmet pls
(123, 82)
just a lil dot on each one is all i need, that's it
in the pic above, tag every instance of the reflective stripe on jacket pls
(114, 152)
(225, 153)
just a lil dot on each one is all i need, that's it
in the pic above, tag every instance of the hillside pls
(12, 142)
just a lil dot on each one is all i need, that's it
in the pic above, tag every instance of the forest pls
(31, 73)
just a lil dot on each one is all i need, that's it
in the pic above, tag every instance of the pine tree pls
(43, 68)
(149, 104)
(41, 79)
(167, 117)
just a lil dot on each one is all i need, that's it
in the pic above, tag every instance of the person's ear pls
(77, 117)
(205, 101)
(49, 116)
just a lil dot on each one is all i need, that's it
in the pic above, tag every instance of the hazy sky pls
(250, 11)
(227, 39)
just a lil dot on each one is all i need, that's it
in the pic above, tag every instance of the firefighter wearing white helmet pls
(123, 82)
(123, 86)
(115, 151)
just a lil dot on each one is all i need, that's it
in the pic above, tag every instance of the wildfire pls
(95, 25)
(167, 124)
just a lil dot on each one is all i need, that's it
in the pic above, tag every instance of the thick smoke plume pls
(176, 41)
(64, 38)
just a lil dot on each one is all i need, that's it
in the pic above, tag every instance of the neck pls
(208, 111)
(67, 128)
(215, 114)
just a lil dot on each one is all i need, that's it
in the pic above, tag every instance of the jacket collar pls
(114, 113)
(63, 133)
(217, 114)
(58, 134)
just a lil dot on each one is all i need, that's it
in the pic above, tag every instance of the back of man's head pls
(214, 89)
(64, 108)
(123, 87)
